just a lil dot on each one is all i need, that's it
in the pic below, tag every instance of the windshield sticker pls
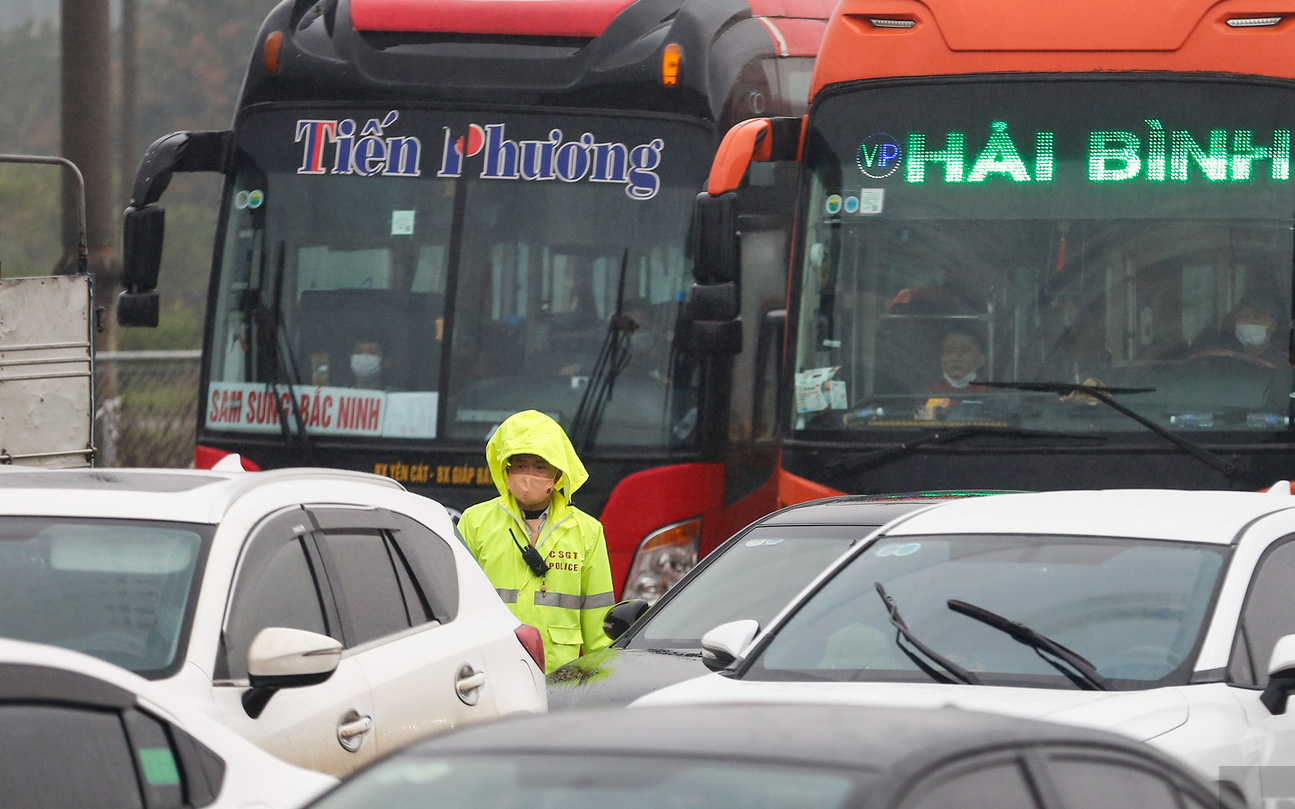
(249, 199)
(817, 390)
(898, 549)
(758, 541)
(402, 223)
(1155, 153)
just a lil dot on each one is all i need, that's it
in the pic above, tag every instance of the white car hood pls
(1142, 715)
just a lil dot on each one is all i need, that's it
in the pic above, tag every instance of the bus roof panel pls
(1016, 25)
(540, 18)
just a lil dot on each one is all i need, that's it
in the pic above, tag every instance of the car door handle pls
(350, 733)
(469, 683)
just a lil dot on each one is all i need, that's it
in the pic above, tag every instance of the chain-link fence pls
(148, 405)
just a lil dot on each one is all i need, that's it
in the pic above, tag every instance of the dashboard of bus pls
(422, 274)
(1080, 254)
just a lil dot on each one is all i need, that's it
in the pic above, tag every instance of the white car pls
(78, 732)
(327, 616)
(1166, 615)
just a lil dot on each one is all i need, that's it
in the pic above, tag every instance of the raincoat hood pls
(530, 432)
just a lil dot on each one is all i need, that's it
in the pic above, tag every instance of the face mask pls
(365, 366)
(961, 383)
(1251, 334)
(529, 489)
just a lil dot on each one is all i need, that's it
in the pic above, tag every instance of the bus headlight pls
(662, 559)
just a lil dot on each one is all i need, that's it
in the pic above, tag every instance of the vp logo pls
(879, 155)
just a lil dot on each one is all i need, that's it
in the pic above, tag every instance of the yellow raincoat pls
(569, 603)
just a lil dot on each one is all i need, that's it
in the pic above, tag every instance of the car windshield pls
(120, 590)
(754, 577)
(560, 782)
(422, 274)
(1132, 234)
(1133, 608)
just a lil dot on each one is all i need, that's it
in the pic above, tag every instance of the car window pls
(277, 586)
(1093, 782)
(432, 562)
(986, 784)
(1268, 615)
(370, 597)
(121, 590)
(63, 756)
(754, 578)
(159, 768)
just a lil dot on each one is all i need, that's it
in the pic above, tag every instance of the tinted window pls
(540, 266)
(117, 589)
(623, 782)
(64, 757)
(281, 591)
(158, 765)
(1001, 785)
(432, 561)
(374, 604)
(1269, 614)
(1005, 211)
(754, 577)
(1098, 783)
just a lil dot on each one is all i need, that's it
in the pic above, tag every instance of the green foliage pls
(31, 239)
(191, 58)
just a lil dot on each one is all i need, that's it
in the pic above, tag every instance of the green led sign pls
(1156, 155)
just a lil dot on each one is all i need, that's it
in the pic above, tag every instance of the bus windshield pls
(416, 274)
(975, 249)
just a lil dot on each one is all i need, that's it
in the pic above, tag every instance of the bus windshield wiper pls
(612, 359)
(958, 672)
(884, 455)
(288, 364)
(1103, 395)
(1085, 673)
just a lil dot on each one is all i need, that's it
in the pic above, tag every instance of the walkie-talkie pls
(531, 556)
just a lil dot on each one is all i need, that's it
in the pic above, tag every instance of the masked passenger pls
(545, 557)
(1250, 333)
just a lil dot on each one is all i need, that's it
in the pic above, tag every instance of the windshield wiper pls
(1103, 395)
(1085, 674)
(884, 455)
(274, 314)
(612, 359)
(961, 674)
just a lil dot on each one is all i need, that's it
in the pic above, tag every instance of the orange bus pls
(1039, 244)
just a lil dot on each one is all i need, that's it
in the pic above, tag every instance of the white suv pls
(327, 616)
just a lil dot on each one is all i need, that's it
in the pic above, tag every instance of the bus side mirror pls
(143, 224)
(179, 151)
(141, 261)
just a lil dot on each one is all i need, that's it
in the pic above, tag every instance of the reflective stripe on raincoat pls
(568, 605)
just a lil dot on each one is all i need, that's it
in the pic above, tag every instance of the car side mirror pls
(725, 644)
(280, 657)
(622, 616)
(1281, 676)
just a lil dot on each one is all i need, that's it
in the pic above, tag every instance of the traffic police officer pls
(546, 558)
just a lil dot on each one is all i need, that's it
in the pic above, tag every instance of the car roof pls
(183, 495)
(839, 736)
(1215, 517)
(867, 509)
